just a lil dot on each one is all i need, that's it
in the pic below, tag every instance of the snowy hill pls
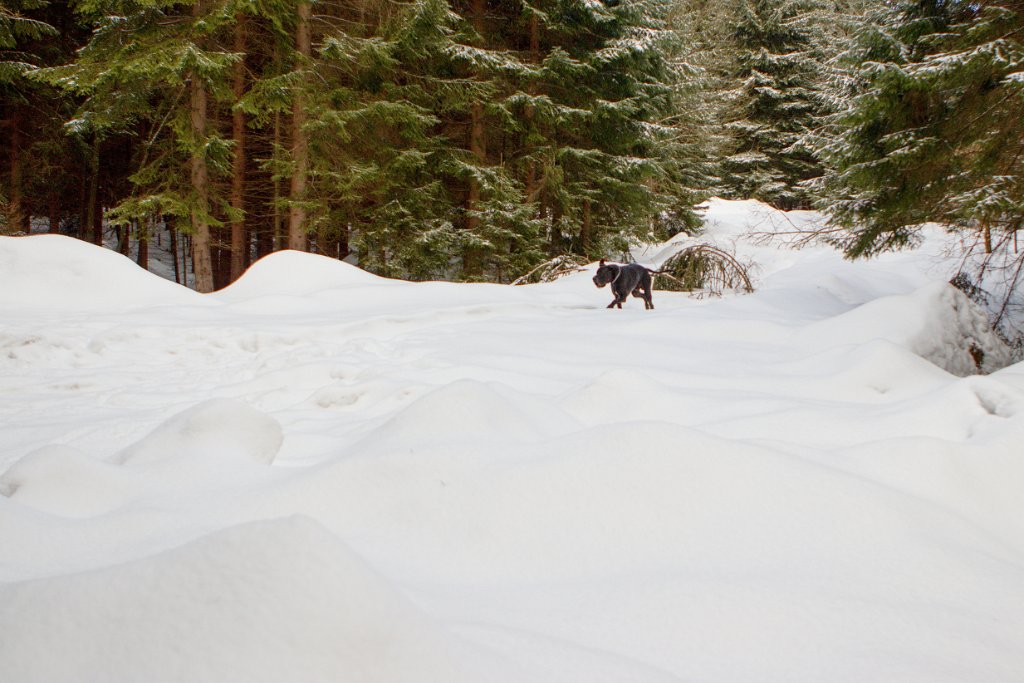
(321, 475)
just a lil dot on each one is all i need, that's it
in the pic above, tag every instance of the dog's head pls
(605, 273)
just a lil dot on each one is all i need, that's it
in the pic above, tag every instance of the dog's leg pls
(647, 283)
(623, 296)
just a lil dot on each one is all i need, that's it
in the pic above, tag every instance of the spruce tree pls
(376, 164)
(610, 162)
(933, 129)
(20, 51)
(776, 69)
(152, 69)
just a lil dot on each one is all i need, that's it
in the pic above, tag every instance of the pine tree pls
(933, 129)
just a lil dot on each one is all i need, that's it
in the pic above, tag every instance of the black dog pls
(631, 278)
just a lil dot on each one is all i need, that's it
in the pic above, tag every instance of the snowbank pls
(64, 481)
(319, 475)
(221, 429)
(291, 272)
(937, 322)
(55, 272)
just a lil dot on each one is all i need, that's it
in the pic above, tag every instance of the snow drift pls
(319, 475)
(276, 600)
(937, 322)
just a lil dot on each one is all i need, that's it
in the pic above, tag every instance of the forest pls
(471, 140)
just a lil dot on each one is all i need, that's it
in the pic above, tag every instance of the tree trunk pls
(297, 228)
(54, 211)
(145, 230)
(472, 261)
(172, 229)
(186, 253)
(83, 207)
(124, 233)
(94, 214)
(16, 219)
(202, 262)
(343, 247)
(239, 237)
(586, 236)
(477, 147)
(556, 231)
(531, 170)
(97, 222)
(201, 259)
(277, 236)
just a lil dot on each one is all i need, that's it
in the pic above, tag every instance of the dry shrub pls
(703, 268)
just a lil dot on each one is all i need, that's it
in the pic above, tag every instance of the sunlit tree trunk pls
(201, 261)
(297, 219)
(239, 237)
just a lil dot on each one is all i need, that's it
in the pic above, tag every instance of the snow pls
(322, 475)
(287, 588)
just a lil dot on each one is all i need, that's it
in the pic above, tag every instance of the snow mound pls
(729, 223)
(59, 272)
(63, 481)
(623, 395)
(937, 322)
(295, 273)
(874, 369)
(278, 600)
(219, 429)
(467, 411)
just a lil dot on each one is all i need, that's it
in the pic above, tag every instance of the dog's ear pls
(601, 264)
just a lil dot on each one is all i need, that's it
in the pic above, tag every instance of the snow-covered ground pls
(320, 475)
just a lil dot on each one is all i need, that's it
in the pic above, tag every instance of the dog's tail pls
(655, 272)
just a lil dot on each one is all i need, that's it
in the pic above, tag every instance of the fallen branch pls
(549, 271)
